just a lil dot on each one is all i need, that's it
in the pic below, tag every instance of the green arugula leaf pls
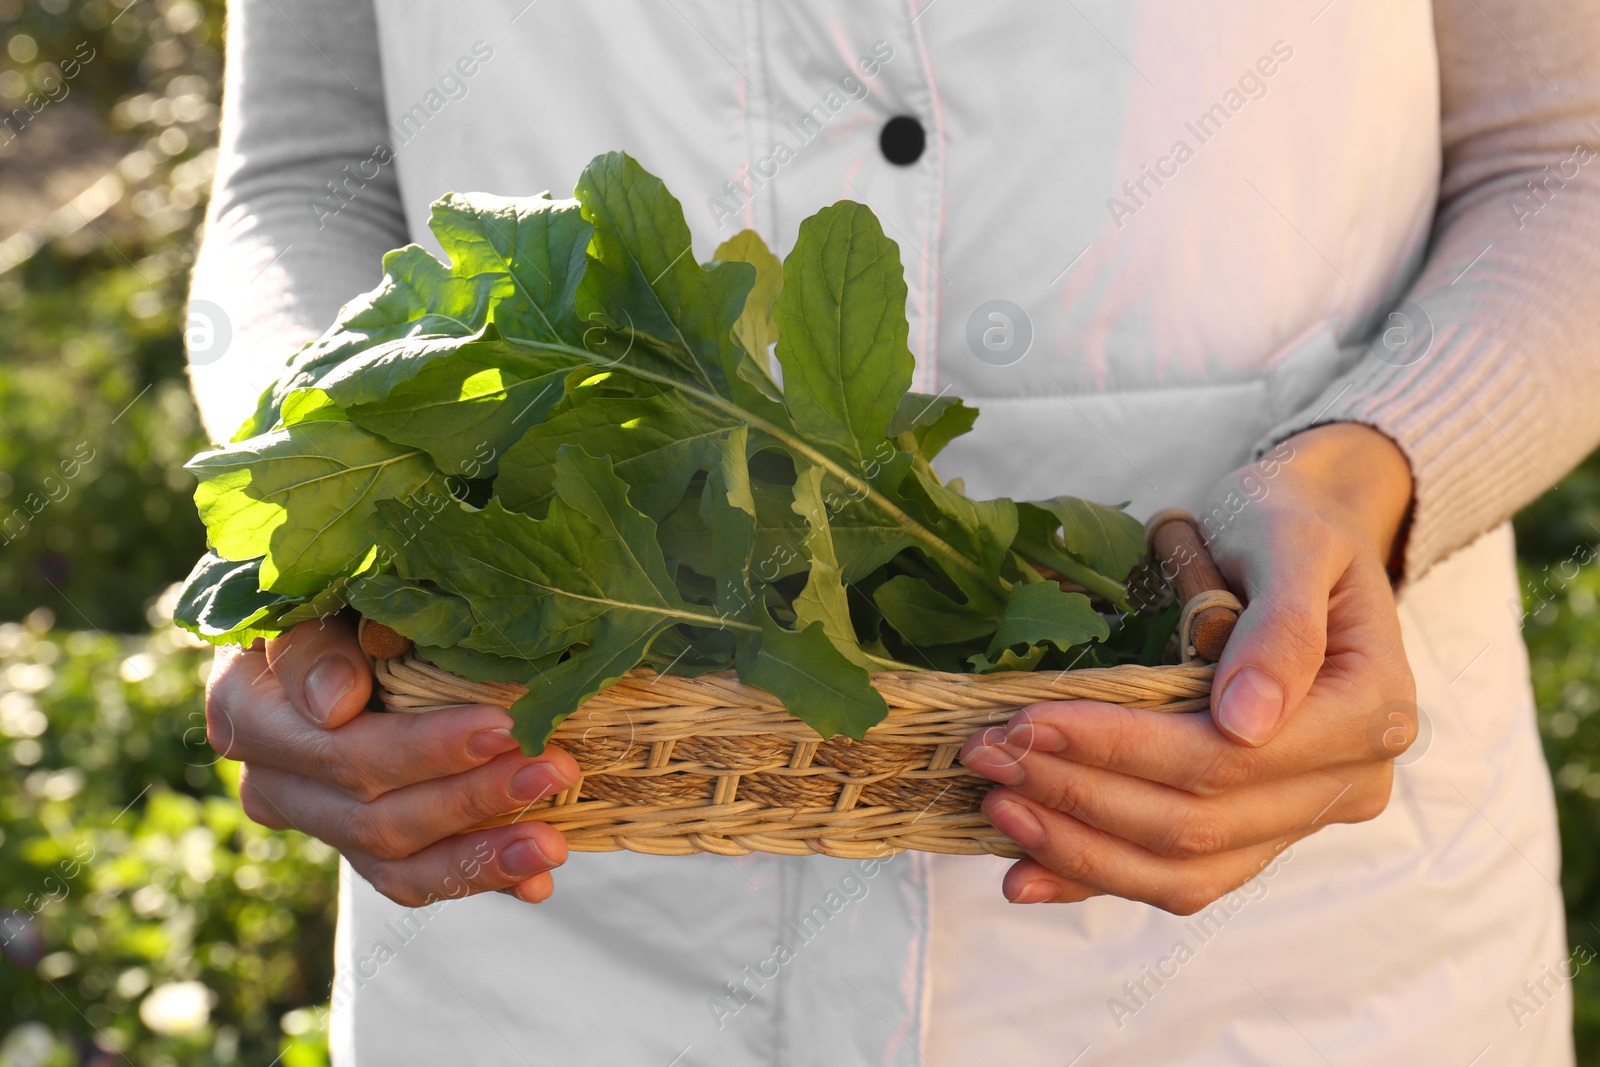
(924, 616)
(932, 421)
(589, 574)
(1039, 612)
(667, 311)
(981, 530)
(824, 599)
(419, 297)
(842, 339)
(657, 441)
(1008, 660)
(303, 498)
(756, 330)
(467, 407)
(1107, 539)
(534, 249)
(1039, 542)
(818, 685)
(418, 610)
(728, 508)
(222, 603)
(483, 666)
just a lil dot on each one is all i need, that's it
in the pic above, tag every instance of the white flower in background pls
(177, 1008)
(28, 1045)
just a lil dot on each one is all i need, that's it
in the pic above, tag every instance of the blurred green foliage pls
(139, 911)
(93, 320)
(142, 918)
(1558, 540)
(144, 915)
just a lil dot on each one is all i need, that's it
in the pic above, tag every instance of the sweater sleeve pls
(305, 199)
(1490, 393)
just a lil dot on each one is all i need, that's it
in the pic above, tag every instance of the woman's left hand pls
(1313, 700)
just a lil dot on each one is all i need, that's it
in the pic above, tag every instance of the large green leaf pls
(521, 258)
(1107, 539)
(842, 338)
(303, 497)
(1039, 612)
(656, 442)
(419, 297)
(643, 281)
(812, 678)
(534, 249)
(980, 530)
(1039, 541)
(589, 574)
(467, 407)
(924, 616)
(222, 603)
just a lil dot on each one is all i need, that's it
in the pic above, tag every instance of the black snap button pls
(902, 140)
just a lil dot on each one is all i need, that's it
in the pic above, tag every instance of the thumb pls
(322, 670)
(1275, 652)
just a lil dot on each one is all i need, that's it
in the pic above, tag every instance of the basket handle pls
(1210, 610)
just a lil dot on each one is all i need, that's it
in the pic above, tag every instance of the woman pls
(1212, 263)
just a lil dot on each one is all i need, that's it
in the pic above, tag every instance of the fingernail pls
(535, 783)
(522, 859)
(1018, 823)
(1036, 737)
(1035, 892)
(329, 679)
(995, 764)
(487, 744)
(1252, 706)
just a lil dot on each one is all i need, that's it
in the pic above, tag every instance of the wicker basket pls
(674, 765)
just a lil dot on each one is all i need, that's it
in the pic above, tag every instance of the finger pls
(250, 719)
(406, 821)
(535, 890)
(515, 857)
(1080, 854)
(322, 669)
(1285, 573)
(1184, 751)
(1030, 882)
(1179, 825)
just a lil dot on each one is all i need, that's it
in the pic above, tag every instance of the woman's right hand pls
(393, 792)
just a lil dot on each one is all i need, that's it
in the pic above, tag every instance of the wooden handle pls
(1181, 554)
(381, 642)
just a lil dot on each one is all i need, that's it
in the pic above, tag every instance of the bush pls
(149, 918)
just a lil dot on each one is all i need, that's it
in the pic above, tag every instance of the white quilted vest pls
(1138, 235)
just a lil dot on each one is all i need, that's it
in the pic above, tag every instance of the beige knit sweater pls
(1500, 405)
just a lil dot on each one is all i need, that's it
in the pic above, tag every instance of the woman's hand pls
(391, 792)
(1313, 700)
